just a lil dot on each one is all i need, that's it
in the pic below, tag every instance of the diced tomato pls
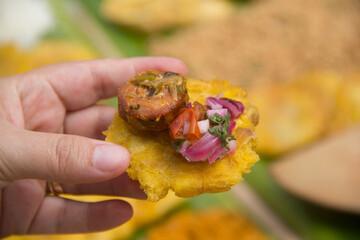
(200, 111)
(183, 110)
(188, 115)
(176, 125)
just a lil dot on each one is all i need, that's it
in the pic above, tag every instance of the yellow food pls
(348, 104)
(296, 113)
(158, 168)
(154, 15)
(54, 51)
(14, 60)
(290, 117)
(207, 225)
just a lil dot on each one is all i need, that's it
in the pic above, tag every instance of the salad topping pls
(204, 132)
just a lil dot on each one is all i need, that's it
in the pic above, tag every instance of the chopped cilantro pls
(177, 144)
(221, 129)
(152, 91)
(216, 119)
(212, 152)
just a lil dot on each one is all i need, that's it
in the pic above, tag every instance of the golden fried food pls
(291, 117)
(348, 104)
(296, 113)
(154, 15)
(158, 167)
(14, 60)
(206, 225)
(151, 100)
(54, 51)
(326, 84)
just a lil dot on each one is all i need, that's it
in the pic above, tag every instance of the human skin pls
(51, 130)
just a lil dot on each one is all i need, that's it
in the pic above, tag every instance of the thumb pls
(58, 157)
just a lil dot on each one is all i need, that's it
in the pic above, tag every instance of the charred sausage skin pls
(152, 99)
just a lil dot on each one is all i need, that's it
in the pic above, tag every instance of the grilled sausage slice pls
(152, 99)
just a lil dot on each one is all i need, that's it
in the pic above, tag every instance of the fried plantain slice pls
(212, 223)
(156, 15)
(291, 116)
(157, 166)
(348, 104)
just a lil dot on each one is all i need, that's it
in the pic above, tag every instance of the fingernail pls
(108, 158)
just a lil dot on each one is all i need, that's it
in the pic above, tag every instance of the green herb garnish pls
(220, 129)
(177, 144)
(152, 91)
(216, 119)
(146, 77)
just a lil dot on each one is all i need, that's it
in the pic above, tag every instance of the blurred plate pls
(326, 173)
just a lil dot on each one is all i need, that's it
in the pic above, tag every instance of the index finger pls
(82, 83)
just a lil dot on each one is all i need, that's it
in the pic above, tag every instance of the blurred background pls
(300, 62)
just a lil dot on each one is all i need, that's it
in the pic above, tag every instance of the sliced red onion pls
(221, 112)
(239, 105)
(236, 108)
(219, 96)
(184, 146)
(213, 103)
(207, 148)
(231, 127)
(204, 126)
(232, 109)
(232, 146)
(219, 153)
(186, 128)
(215, 154)
(201, 150)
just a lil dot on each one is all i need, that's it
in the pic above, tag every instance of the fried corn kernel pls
(207, 224)
(157, 166)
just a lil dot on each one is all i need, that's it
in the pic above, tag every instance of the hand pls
(49, 121)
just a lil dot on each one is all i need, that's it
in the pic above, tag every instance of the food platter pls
(301, 217)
